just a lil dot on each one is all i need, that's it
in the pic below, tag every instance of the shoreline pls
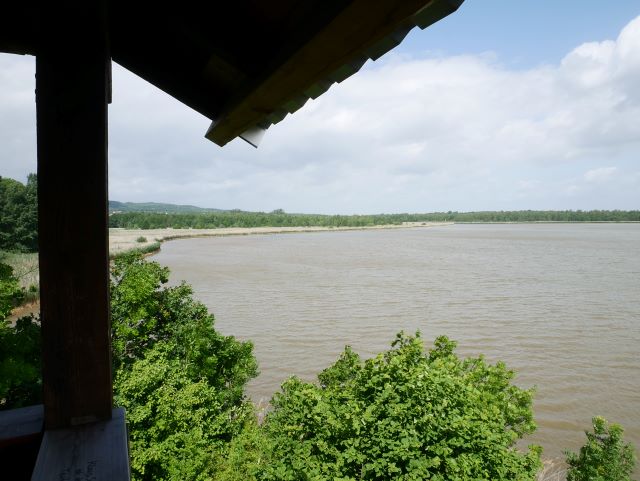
(123, 240)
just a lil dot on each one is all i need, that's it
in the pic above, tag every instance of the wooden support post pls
(72, 92)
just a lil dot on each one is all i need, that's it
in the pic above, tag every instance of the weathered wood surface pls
(91, 452)
(72, 91)
(20, 438)
(16, 424)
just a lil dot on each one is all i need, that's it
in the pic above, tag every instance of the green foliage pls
(10, 292)
(178, 422)
(246, 456)
(180, 381)
(278, 218)
(19, 214)
(20, 378)
(138, 319)
(141, 239)
(20, 368)
(403, 415)
(605, 457)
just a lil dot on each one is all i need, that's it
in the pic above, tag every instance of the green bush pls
(403, 415)
(141, 239)
(181, 382)
(605, 457)
(20, 365)
(19, 214)
(178, 422)
(10, 292)
(20, 372)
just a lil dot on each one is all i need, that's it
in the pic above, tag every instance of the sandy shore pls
(121, 240)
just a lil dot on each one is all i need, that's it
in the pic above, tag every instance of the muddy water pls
(559, 303)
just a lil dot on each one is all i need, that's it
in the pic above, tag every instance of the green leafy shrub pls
(181, 382)
(20, 364)
(605, 457)
(141, 239)
(10, 292)
(20, 372)
(247, 455)
(178, 423)
(403, 415)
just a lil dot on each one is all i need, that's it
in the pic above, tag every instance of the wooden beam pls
(341, 45)
(96, 452)
(16, 424)
(18, 27)
(20, 438)
(72, 92)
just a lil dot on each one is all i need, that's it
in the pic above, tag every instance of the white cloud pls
(17, 116)
(601, 174)
(404, 134)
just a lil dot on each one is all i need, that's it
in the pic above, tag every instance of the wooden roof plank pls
(327, 57)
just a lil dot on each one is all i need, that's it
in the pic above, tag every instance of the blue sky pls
(523, 33)
(506, 104)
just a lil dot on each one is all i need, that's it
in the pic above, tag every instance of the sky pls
(504, 105)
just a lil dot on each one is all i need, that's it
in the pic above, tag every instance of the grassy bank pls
(25, 268)
(146, 248)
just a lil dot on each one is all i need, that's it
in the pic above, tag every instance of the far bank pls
(124, 240)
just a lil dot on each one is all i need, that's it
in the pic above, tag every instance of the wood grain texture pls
(92, 452)
(72, 91)
(20, 423)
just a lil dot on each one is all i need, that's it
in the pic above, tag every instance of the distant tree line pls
(19, 215)
(149, 220)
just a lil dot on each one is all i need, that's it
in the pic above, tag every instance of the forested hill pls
(212, 220)
(115, 206)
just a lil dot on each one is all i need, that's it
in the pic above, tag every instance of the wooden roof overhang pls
(246, 64)
(243, 64)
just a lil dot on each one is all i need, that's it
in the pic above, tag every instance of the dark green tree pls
(10, 292)
(19, 214)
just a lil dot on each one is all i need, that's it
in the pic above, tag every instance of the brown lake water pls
(559, 303)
